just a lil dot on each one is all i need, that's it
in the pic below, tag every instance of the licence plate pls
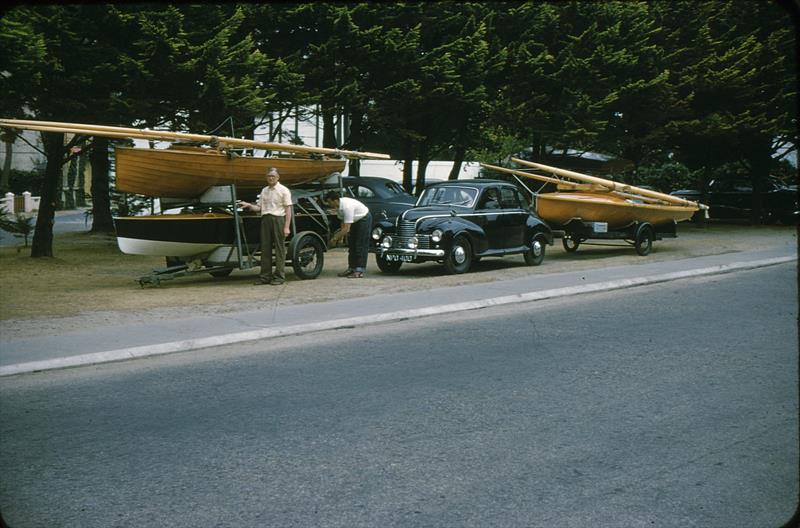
(399, 258)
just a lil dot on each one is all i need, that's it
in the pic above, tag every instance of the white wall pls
(436, 170)
(24, 157)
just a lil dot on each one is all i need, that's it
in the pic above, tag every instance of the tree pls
(22, 53)
(740, 91)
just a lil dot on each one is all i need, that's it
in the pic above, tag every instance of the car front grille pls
(407, 230)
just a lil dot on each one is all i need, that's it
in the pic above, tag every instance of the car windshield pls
(448, 195)
(393, 188)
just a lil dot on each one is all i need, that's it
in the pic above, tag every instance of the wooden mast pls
(611, 185)
(164, 135)
(575, 186)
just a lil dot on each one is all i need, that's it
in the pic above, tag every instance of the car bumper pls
(413, 253)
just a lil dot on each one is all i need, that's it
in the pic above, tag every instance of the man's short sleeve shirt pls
(275, 200)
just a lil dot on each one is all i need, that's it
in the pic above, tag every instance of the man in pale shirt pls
(356, 225)
(275, 205)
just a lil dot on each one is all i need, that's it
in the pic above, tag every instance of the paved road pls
(668, 405)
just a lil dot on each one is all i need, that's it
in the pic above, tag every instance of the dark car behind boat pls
(385, 198)
(732, 198)
(380, 195)
(459, 222)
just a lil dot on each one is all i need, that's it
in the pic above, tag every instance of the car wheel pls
(387, 266)
(459, 257)
(535, 254)
(308, 258)
(570, 244)
(644, 240)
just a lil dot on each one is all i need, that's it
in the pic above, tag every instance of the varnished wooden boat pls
(558, 208)
(592, 199)
(188, 172)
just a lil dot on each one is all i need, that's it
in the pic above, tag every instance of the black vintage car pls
(459, 222)
(733, 198)
(381, 195)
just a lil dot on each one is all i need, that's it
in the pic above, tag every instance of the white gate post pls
(8, 203)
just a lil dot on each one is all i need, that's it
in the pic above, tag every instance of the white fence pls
(19, 204)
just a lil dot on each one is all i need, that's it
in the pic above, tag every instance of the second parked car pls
(459, 222)
(733, 198)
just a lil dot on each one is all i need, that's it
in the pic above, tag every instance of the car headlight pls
(413, 243)
(436, 236)
(387, 242)
(376, 233)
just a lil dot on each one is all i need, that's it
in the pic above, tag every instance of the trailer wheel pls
(221, 273)
(459, 257)
(535, 255)
(387, 266)
(570, 244)
(644, 240)
(308, 257)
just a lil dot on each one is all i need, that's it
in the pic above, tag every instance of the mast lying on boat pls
(164, 135)
(596, 183)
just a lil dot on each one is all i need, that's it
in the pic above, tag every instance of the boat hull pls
(558, 208)
(188, 172)
(182, 235)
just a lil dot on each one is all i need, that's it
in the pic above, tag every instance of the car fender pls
(535, 226)
(454, 226)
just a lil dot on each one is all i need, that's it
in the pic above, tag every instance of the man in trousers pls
(275, 205)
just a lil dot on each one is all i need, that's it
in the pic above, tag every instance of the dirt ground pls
(91, 283)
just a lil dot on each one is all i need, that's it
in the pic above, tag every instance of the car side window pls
(509, 199)
(490, 199)
(363, 192)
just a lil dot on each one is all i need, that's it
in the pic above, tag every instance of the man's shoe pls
(346, 273)
(276, 282)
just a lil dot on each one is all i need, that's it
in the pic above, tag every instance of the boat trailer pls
(640, 235)
(304, 248)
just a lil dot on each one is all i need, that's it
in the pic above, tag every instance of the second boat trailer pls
(640, 235)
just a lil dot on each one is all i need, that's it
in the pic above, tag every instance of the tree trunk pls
(81, 186)
(5, 178)
(42, 245)
(101, 203)
(69, 188)
(354, 167)
(408, 166)
(328, 128)
(424, 158)
(458, 156)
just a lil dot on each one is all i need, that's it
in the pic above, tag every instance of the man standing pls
(356, 225)
(275, 205)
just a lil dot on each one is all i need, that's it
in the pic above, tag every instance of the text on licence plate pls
(399, 258)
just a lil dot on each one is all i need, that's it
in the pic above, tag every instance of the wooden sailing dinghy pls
(593, 199)
(186, 171)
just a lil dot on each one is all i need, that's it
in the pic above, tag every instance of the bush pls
(21, 181)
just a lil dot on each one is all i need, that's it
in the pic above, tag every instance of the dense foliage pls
(664, 83)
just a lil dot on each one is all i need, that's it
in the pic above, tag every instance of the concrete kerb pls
(240, 337)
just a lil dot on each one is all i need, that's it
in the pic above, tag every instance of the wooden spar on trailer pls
(566, 183)
(611, 185)
(164, 135)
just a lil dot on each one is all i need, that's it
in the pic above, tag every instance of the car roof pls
(376, 179)
(476, 183)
